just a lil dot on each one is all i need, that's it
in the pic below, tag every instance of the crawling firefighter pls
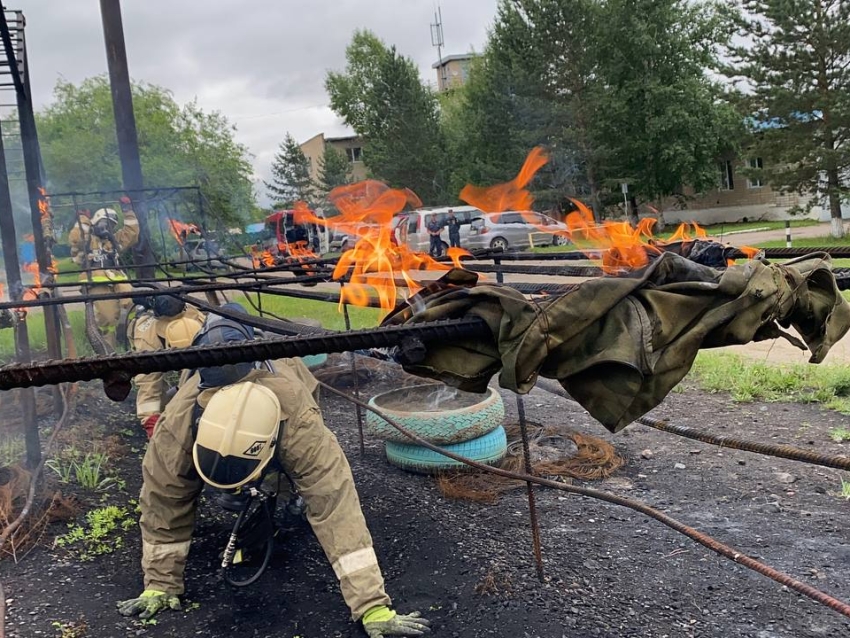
(162, 321)
(226, 427)
(96, 244)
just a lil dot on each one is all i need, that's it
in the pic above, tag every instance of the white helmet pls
(104, 213)
(237, 435)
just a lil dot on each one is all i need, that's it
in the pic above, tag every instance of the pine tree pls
(291, 180)
(334, 170)
(795, 71)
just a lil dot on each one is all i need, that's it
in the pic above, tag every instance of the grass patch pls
(806, 242)
(839, 435)
(329, 314)
(37, 339)
(750, 381)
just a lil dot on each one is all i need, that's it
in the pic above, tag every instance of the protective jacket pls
(308, 452)
(618, 345)
(102, 253)
(147, 333)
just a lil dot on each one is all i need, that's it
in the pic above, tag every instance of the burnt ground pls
(610, 571)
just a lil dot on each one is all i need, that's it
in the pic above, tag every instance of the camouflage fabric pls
(618, 345)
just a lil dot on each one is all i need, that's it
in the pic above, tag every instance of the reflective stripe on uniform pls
(130, 221)
(354, 562)
(148, 407)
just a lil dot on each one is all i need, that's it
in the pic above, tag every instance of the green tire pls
(477, 415)
(314, 360)
(489, 449)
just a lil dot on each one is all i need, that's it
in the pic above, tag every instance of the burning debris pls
(619, 345)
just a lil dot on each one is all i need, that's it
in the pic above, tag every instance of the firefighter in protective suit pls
(161, 322)
(96, 246)
(269, 404)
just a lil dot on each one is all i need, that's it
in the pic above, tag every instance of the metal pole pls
(353, 358)
(125, 126)
(32, 167)
(787, 233)
(532, 504)
(8, 237)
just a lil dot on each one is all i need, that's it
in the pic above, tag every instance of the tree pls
(795, 70)
(178, 146)
(662, 121)
(534, 85)
(291, 181)
(382, 98)
(334, 170)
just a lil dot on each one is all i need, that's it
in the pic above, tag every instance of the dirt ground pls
(610, 572)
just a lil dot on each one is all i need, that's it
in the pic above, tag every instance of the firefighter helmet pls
(180, 332)
(237, 435)
(104, 214)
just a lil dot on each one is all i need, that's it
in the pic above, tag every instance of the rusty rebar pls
(703, 539)
(768, 449)
(529, 486)
(126, 365)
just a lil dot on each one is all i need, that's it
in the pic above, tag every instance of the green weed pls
(839, 435)
(89, 470)
(745, 380)
(74, 629)
(845, 489)
(98, 536)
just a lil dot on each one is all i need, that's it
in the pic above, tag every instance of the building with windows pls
(350, 145)
(737, 197)
(453, 70)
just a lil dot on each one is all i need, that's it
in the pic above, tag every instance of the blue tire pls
(489, 449)
(475, 416)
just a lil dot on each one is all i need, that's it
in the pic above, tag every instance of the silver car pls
(514, 230)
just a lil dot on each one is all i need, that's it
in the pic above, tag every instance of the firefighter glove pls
(382, 621)
(149, 603)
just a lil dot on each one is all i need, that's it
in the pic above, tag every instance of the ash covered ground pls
(469, 567)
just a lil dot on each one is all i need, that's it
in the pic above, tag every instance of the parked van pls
(410, 226)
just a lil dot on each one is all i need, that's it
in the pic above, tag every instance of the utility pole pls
(125, 129)
(438, 41)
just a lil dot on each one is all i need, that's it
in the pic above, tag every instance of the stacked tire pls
(471, 428)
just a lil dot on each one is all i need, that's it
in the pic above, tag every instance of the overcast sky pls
(261, 63)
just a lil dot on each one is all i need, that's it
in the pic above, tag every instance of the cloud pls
(261, 63)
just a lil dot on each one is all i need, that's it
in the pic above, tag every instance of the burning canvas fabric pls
(618, 345)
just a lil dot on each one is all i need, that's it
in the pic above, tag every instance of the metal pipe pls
(8, 237)
(355, 379)
(125, 125)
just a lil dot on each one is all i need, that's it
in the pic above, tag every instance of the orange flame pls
(626, 248)
(182, 231)
(376, 263)
(511, 195)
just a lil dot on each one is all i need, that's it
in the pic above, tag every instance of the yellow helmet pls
(104, 214)
(180, 332)
(237, 435)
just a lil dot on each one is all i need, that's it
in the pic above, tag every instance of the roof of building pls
(344, 138)
(459, 57)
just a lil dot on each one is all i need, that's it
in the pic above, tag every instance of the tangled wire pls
(556, 453)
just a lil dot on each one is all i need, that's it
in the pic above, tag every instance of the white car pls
(515, 230)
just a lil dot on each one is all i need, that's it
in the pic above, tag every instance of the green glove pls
(150, 602)
(382, 621)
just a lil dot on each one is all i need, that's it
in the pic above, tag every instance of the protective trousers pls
(310, 455)
(107, 312)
